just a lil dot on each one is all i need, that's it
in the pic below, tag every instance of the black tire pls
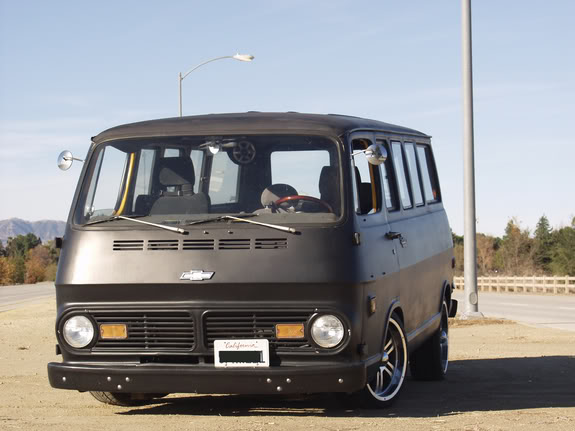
(384, 388)
(431, 360)
(125, 399)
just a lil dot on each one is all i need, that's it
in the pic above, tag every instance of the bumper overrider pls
(154, 378)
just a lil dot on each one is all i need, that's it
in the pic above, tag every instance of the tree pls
(543, 244)
(38, 260)
(563, 252)
(6, 270)
(19, 272)
(486, 247)
(20, 245)
(516, 252)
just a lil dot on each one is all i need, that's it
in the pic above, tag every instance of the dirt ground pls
(502, 376)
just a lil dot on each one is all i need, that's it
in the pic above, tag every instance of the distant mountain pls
(44, 229)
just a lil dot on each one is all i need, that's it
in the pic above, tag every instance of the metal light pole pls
(240, 57)
(470, 252)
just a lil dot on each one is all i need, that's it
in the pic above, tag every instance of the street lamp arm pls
(239, 57)
(205, 62)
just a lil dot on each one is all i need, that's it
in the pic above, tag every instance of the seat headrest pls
(176, 171)
(276, 191)
(328, 180)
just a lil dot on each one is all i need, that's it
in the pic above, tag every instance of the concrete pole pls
(470, 251)
(180, 90)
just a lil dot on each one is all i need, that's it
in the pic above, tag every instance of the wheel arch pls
(394, 307)
(445, 294)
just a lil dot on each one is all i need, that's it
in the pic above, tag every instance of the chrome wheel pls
(389, 379)
(444, 340)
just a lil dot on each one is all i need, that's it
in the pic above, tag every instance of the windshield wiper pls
(161, 226)
(218, 218)
(245, 220)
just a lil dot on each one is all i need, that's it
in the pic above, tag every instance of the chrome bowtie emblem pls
(197, 275)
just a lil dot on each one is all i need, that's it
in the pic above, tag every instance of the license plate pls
(241, 353)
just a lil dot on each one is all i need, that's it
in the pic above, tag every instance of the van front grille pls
(148, 330)
(222, 325)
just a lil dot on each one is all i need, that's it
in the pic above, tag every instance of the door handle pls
(397, 235)
(393, 235)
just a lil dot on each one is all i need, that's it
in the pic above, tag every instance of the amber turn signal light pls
(113, 332)
(290, 330)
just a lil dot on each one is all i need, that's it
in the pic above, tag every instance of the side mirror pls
(65, 160)
(376, 154)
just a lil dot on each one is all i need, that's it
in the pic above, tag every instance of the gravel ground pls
(502, 376)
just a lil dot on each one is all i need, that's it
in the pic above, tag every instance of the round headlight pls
(78, 331)
(327, 331)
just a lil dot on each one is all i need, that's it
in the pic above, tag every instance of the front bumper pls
(155, 378)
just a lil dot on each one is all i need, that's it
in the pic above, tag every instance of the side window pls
(428, 174)
(413, 173)
(388, 180)
(368, 183)
(401, 178)
(144, 174)
(224, 180)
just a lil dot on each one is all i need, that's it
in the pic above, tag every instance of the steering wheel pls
(304, 198)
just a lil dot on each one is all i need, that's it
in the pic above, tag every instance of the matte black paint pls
(325, 269)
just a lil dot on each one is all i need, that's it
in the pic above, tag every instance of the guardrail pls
(551, 285)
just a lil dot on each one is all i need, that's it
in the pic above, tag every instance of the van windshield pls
(281, 179)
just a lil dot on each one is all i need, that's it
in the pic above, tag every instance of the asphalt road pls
(551, 311)
(12, 297)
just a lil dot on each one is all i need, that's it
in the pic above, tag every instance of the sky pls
(70, 69)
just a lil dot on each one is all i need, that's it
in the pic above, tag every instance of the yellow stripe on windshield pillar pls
(128, 181)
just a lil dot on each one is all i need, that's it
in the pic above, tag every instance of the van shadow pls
(471, 385)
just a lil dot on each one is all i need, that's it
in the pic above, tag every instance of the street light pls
(470, 240)
(240, 57)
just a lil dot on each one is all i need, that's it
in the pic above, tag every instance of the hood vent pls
(234, 244)
(163, 244)
(128, 245)
(270, 243)
(198, 244)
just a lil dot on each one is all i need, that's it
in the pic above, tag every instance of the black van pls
(254, 253)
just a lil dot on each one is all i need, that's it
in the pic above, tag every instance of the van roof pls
(250, 123)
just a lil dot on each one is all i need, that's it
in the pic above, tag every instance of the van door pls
(377, 255)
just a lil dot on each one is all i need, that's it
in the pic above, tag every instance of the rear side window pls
(388, 180)
(413, 173)
(428, 174)
(401, 178)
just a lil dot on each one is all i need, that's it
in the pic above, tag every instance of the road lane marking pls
(513, 304)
